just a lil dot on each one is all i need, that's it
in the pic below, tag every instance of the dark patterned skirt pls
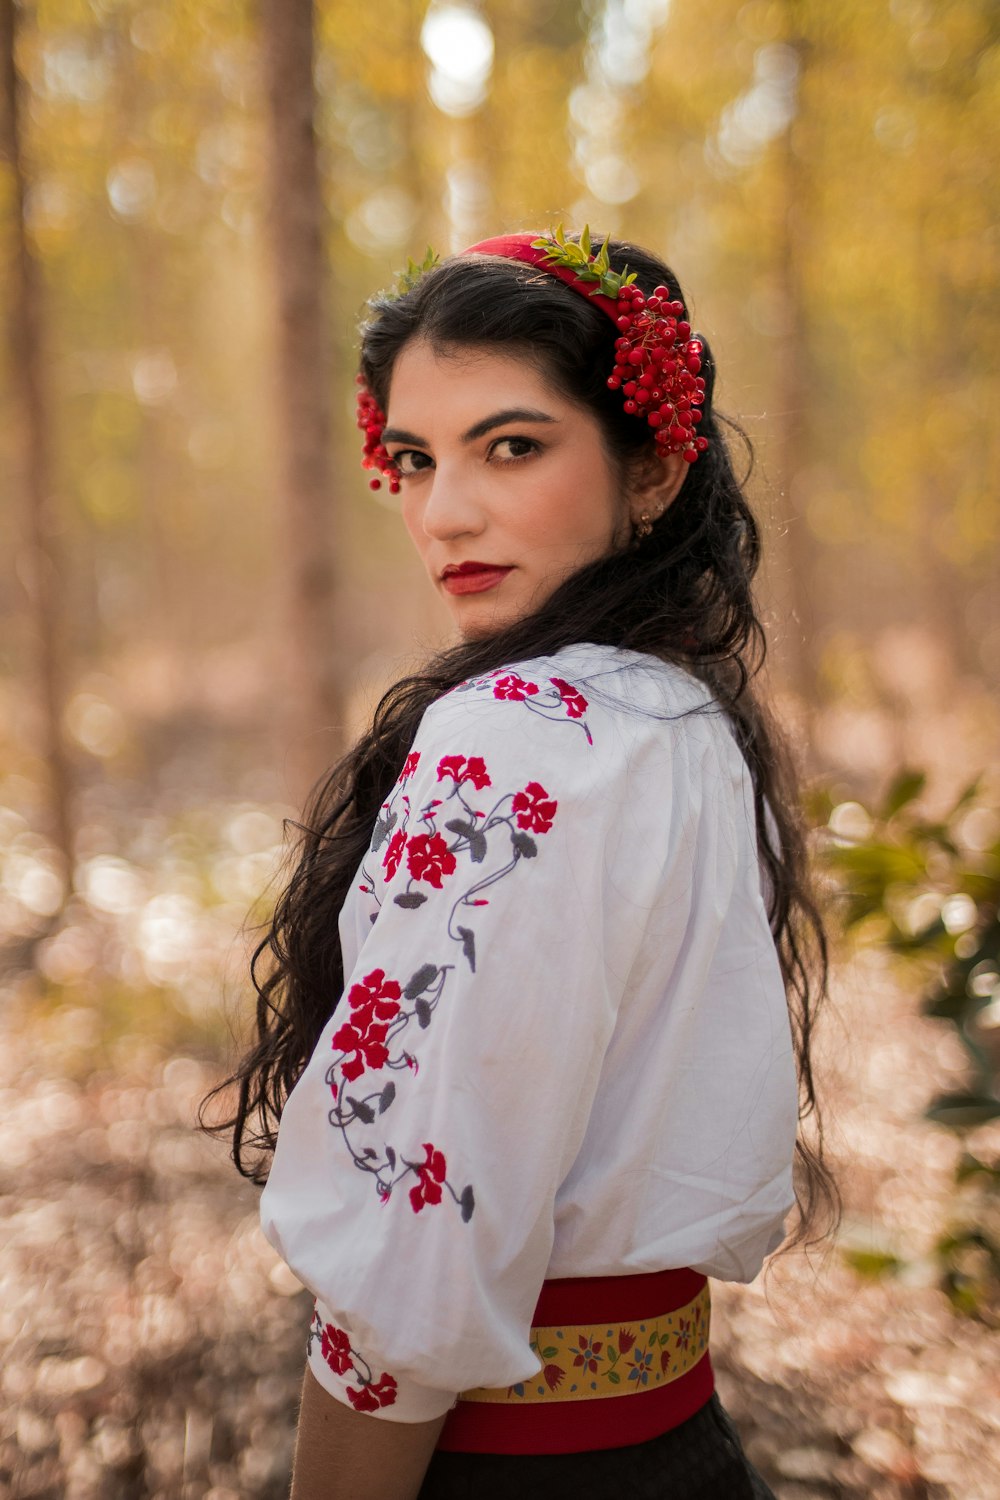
(702, 1459)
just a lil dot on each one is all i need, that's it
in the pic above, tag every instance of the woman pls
(539, 1081)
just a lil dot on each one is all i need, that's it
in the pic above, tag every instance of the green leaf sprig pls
(407, 279)
(579, 258)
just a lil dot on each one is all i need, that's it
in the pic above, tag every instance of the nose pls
(451, 508)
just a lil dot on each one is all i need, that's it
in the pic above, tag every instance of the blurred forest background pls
(201, 599)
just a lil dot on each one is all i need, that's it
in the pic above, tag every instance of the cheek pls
(411, 520)
(580, 504)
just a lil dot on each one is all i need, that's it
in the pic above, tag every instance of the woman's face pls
(501, 472)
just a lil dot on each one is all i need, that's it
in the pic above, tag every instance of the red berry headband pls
(657, 362)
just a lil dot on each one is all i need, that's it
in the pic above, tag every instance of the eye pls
(517, 448)
(411, 461)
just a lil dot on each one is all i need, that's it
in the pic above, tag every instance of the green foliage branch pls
(407, 279)
(915, 885)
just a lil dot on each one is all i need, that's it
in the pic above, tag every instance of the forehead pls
(460, 377)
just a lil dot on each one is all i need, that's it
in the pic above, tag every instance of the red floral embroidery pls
(429, 857)
(514, 687)
(394, 853)
(535, 809)
(487, 847)
(336, 1347)
(381, 1392)
(558, 700)
(373, 1004)
(574, 702)
(625, 1340)
(431, 1173)
(664, 1360)
(683, 1332)
(554, 1376)
(591, 1354)
(343, 1359)
(375, 998)
(368, 1047)
(460, 769)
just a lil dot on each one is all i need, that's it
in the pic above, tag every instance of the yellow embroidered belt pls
(599, 1339)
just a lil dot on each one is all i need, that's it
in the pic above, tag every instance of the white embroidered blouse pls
(563, 1047)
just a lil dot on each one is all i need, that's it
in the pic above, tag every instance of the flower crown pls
(657, 360)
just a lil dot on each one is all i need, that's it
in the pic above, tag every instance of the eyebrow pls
(478, 430)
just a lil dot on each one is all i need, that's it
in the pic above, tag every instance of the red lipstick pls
(472, 577)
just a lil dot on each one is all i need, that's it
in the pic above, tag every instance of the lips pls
(471, 567)
(472, 577)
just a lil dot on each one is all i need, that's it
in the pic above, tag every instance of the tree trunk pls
(798, 650)
(311, 686)
(41, 562)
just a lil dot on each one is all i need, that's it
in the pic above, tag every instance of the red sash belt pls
(624, 1358)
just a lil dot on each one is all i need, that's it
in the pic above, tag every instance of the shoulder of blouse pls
(601, 723)
(585, 682)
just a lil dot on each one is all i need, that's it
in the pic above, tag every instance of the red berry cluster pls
(371, 420)
(657, 365)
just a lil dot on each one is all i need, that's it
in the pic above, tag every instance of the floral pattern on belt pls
(454, 848)
(584, 1363)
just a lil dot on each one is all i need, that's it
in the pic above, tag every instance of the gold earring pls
(644, 525)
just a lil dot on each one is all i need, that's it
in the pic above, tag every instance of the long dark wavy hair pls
(683, 595)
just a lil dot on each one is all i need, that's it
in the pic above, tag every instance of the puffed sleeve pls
(420, 1153)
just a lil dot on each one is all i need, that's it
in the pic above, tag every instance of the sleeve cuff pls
(347, 1376)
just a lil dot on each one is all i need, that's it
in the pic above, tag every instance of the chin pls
(478, 630)
(474, 626)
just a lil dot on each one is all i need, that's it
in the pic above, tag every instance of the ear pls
(655, 481)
